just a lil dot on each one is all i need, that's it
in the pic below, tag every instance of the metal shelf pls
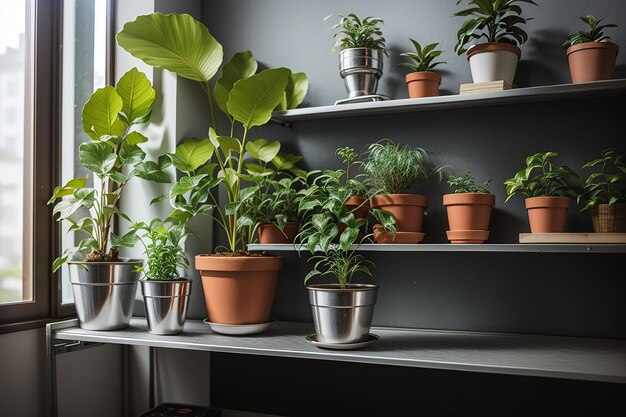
(446, 247)
(540, 356)
(514, 96)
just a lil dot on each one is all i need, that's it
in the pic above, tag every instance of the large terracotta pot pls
(408, 209)
(358, 205)
(547, 214)
(493, 61)
(270, 233)
(468, 214)
(423, 84)
(609, 218)
(592, 61)
(238, 289)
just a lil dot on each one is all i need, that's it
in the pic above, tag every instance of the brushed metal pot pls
(104, 292)
(166, 304)
(360, 69)
(342, 315)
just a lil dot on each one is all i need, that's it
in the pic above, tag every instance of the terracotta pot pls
(408, 209)
(592, 61)
(609, 218)
(358, 205)
(493, 61)
(238, 289)
(467, 236)
(400, 238)
(468, 212)
(270, 233)
(423, 84)
(547, 214)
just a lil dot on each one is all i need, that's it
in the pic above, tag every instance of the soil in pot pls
(270, 233)
(547, 214)
(408, 209)
(592, 61)
(423, 84)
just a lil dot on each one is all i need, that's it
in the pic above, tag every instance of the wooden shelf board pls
(573, 238)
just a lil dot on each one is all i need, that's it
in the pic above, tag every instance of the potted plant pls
(103, 283)
(469, 209)
(604, 192)
(498, 22)
(547, 188)
(165, 292)
(361, 57)
(590, 55)
(423, 81)
(391, 170)
(238, 285)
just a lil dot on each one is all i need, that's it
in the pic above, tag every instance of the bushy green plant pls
(393, 168)
(358, 33)
(594, 34)
(422, 58)
(467, 184)
(162, 243)
(607, 185)
(542, 177)
(493, 20)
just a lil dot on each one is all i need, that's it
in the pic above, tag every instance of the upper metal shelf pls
(514, 96)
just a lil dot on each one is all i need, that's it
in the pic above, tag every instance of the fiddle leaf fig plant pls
(358, 33)
(423, 57)
(467, 184)
(115, 157)
(594, 34)
(181, 44)
(607, 184)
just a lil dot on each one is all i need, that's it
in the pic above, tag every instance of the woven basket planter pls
(609, 218)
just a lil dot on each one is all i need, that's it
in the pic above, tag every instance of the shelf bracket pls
(73, 345)
(282, 123)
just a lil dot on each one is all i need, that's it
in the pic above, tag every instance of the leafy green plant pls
(422, 58)
(358, 33)
(542, 177)
(393, 168)
(607, 185)
(467, 184)
(181, 44)
(493, 20)
(595, 33)
(163, 249)
(115, 157)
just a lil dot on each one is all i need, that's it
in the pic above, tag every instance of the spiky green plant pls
(422, 58)
(594, 34)
(358, 33)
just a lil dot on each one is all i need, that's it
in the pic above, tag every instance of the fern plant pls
(467, 184)
(595, 33)
(358, 33)
(422, 59)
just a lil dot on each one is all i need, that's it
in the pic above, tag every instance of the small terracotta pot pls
(358, 205)
(423, 84)
(467, 213)
(408, 209)
(547, 214)
(400, 238)
(270, 233)
(239, 289)
(609, 218)
(592, 61)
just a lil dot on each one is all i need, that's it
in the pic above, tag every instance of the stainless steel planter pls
(104, 293)
(360, 69)
(166, 305)
(342, 316)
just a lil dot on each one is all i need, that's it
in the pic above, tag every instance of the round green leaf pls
(137, 95)
(100, 114)
(263, 150)
(241, 66)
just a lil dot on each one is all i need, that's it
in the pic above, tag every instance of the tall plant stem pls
(207, 89)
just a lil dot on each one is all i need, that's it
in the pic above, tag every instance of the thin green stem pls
(207, 89)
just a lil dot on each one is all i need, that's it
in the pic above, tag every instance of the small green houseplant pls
(590, 55)
(604, 192)
(498, 22)
(423, 81)
(469, 209)
(547, 188)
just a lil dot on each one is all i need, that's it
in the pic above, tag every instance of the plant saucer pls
(371, 338)
(239, 329)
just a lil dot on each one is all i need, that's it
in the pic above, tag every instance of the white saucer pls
(371, 338)
(239, 329)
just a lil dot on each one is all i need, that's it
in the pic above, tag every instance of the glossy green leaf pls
(137, 95)
(150, 171)
(263, 149)
(191, 153)
(97, 157)
(240, 67)
(135, 138)
(128, 240)
(100, 114)
(296, 89)
(69, 188)
(131, 154)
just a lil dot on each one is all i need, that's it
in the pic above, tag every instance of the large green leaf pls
(175, 42)
(137, 96)
(241, 66)
(252, 101)
(97, 157)
(151, 171)
(191, 153)
(296, 89)
(263, 150)
(100, 114)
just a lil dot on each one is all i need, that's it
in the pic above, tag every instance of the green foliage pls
(467, 184)
(422, 58)
(163, 249)
(494, 20)
(541, 177)
(595, 33)
(115, 157)
(607, 184)
(183, 45)
(394, 168)
(358, 33)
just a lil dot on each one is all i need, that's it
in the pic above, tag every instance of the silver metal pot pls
(360, 69)
(104, 292)
(166, 304)
(342, 316)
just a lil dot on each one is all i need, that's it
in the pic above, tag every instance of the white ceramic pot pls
(493, 62)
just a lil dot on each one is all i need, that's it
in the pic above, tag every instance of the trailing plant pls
(163, 249)
(394, 168)
(467, 184)
(115, 157)
(493, 20)
(422, 58)
(358, 33)
(228, 158)
(594, 34)
(607, 185)
(542, 177)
